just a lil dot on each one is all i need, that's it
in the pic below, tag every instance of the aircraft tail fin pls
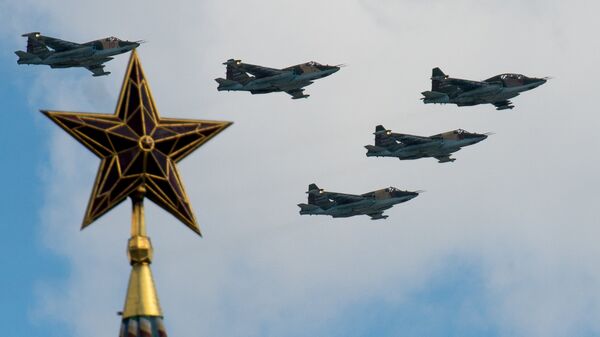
(437, 76)
(437, 72)
(316, 197)
(35, 45)
(313, 188)
(235, 72)
(383, 137)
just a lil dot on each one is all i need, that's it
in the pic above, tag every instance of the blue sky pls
(503, 243)
(23, 258)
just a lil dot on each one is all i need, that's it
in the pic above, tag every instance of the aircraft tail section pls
(383, 137)
(437, 73)
(26, 58)
(35, 45)
(437, 76)
(317, 198)
(376, 151)
(435, 97)
(308, 209)
(225, 84)
(235, 73)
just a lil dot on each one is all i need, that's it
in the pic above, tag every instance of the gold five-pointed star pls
(138, 149)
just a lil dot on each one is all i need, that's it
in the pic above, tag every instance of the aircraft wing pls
(466, 85)
(58, 44)
(503, 105)
(410, 139)
(296, 93)
(377, 216)
(444, 158)
(259, 71)
(97, 70)
(342, 198)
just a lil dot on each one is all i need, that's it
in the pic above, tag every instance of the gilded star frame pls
(138, 148)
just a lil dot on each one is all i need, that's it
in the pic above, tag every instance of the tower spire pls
(142, 315)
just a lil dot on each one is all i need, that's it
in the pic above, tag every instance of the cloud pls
(519, 204)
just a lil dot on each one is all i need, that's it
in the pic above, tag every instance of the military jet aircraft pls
(64, 54)
(263, 80)
(403, 146)
(341, 205)
(496, 90)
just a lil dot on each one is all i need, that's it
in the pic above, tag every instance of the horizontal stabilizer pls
(307, 208)
(223, 81)
(433, 94)
(25, 57)
(226, 84)
(435, 97)
(373, 148)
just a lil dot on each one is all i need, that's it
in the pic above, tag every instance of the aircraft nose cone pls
(479, 138)
(538, 81)
(130, 45)
(330, 70)
(413, 195)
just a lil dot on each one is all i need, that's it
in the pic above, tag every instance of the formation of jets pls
(257, 79)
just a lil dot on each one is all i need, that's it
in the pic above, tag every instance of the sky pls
(502, 243)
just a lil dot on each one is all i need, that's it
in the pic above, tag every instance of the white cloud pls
(521, 202)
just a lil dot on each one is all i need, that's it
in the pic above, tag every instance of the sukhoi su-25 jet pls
(262, 80)
(496, 90)
(403, 146)
(342, 205)
(59, 53)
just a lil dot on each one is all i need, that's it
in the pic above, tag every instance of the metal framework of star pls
(138, 148)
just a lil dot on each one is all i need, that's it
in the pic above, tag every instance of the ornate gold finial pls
(142, 299)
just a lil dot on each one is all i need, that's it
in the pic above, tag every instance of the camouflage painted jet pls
(263, 80)
(403, 146)
(64, 54)
(496, 90)
(341, 205)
